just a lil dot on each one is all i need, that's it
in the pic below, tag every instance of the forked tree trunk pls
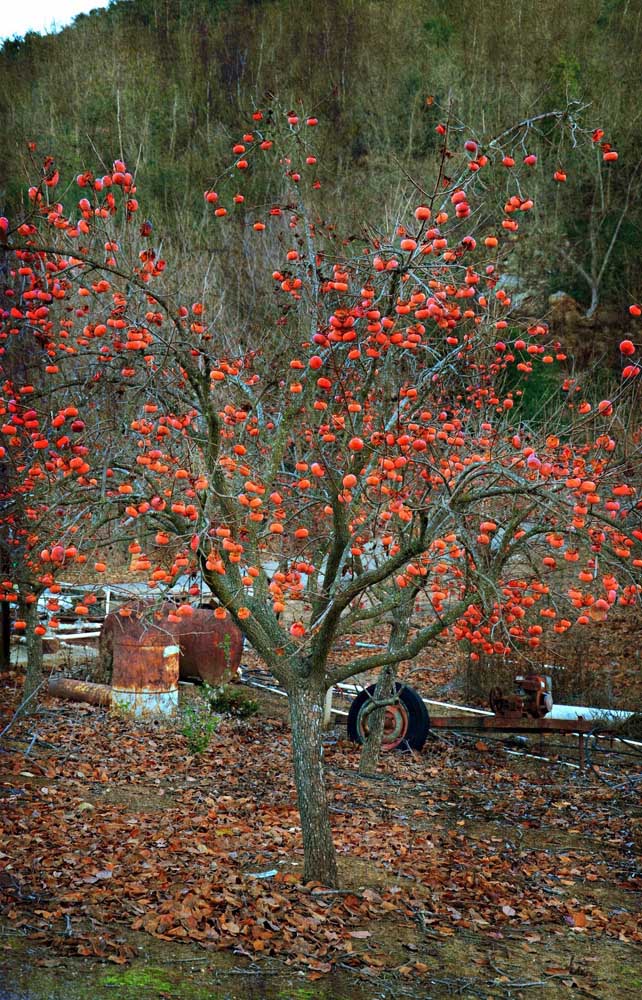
(33, 676)
(306, 713)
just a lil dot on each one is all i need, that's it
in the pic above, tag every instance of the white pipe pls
(460, 708)
(327, 708)
(584, 712)
(535, 756)
(72, 635)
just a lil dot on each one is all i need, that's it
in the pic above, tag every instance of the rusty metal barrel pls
(211, 649)
(145, 673)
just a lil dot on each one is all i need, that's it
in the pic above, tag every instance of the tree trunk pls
(306, 713)
(33, 676)
(5, 607)
(385, 688)
(5, 634)
(371, 749)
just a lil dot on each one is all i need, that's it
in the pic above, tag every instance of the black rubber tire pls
(418, 720)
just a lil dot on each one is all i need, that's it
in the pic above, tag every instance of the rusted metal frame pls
(581, 727)
(585, 726)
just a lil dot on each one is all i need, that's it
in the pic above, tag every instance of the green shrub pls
(229, 700)
(198, 727)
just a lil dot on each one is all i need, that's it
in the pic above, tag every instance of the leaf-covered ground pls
(463, 868)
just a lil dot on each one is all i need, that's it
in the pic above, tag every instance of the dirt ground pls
(131, 867)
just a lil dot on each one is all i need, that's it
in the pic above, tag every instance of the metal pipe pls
(67, 687)
(607, 715)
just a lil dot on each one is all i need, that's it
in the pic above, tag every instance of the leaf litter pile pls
(109, 826)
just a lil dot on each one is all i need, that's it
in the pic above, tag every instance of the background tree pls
(93, 91)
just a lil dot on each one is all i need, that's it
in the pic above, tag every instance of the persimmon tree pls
(368, 445)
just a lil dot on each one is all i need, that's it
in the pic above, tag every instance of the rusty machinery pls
(532, 698)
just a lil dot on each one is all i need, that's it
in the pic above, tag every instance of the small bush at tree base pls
(229, 700)
(198, 727)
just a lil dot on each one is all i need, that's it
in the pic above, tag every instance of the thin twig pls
(19, 710)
